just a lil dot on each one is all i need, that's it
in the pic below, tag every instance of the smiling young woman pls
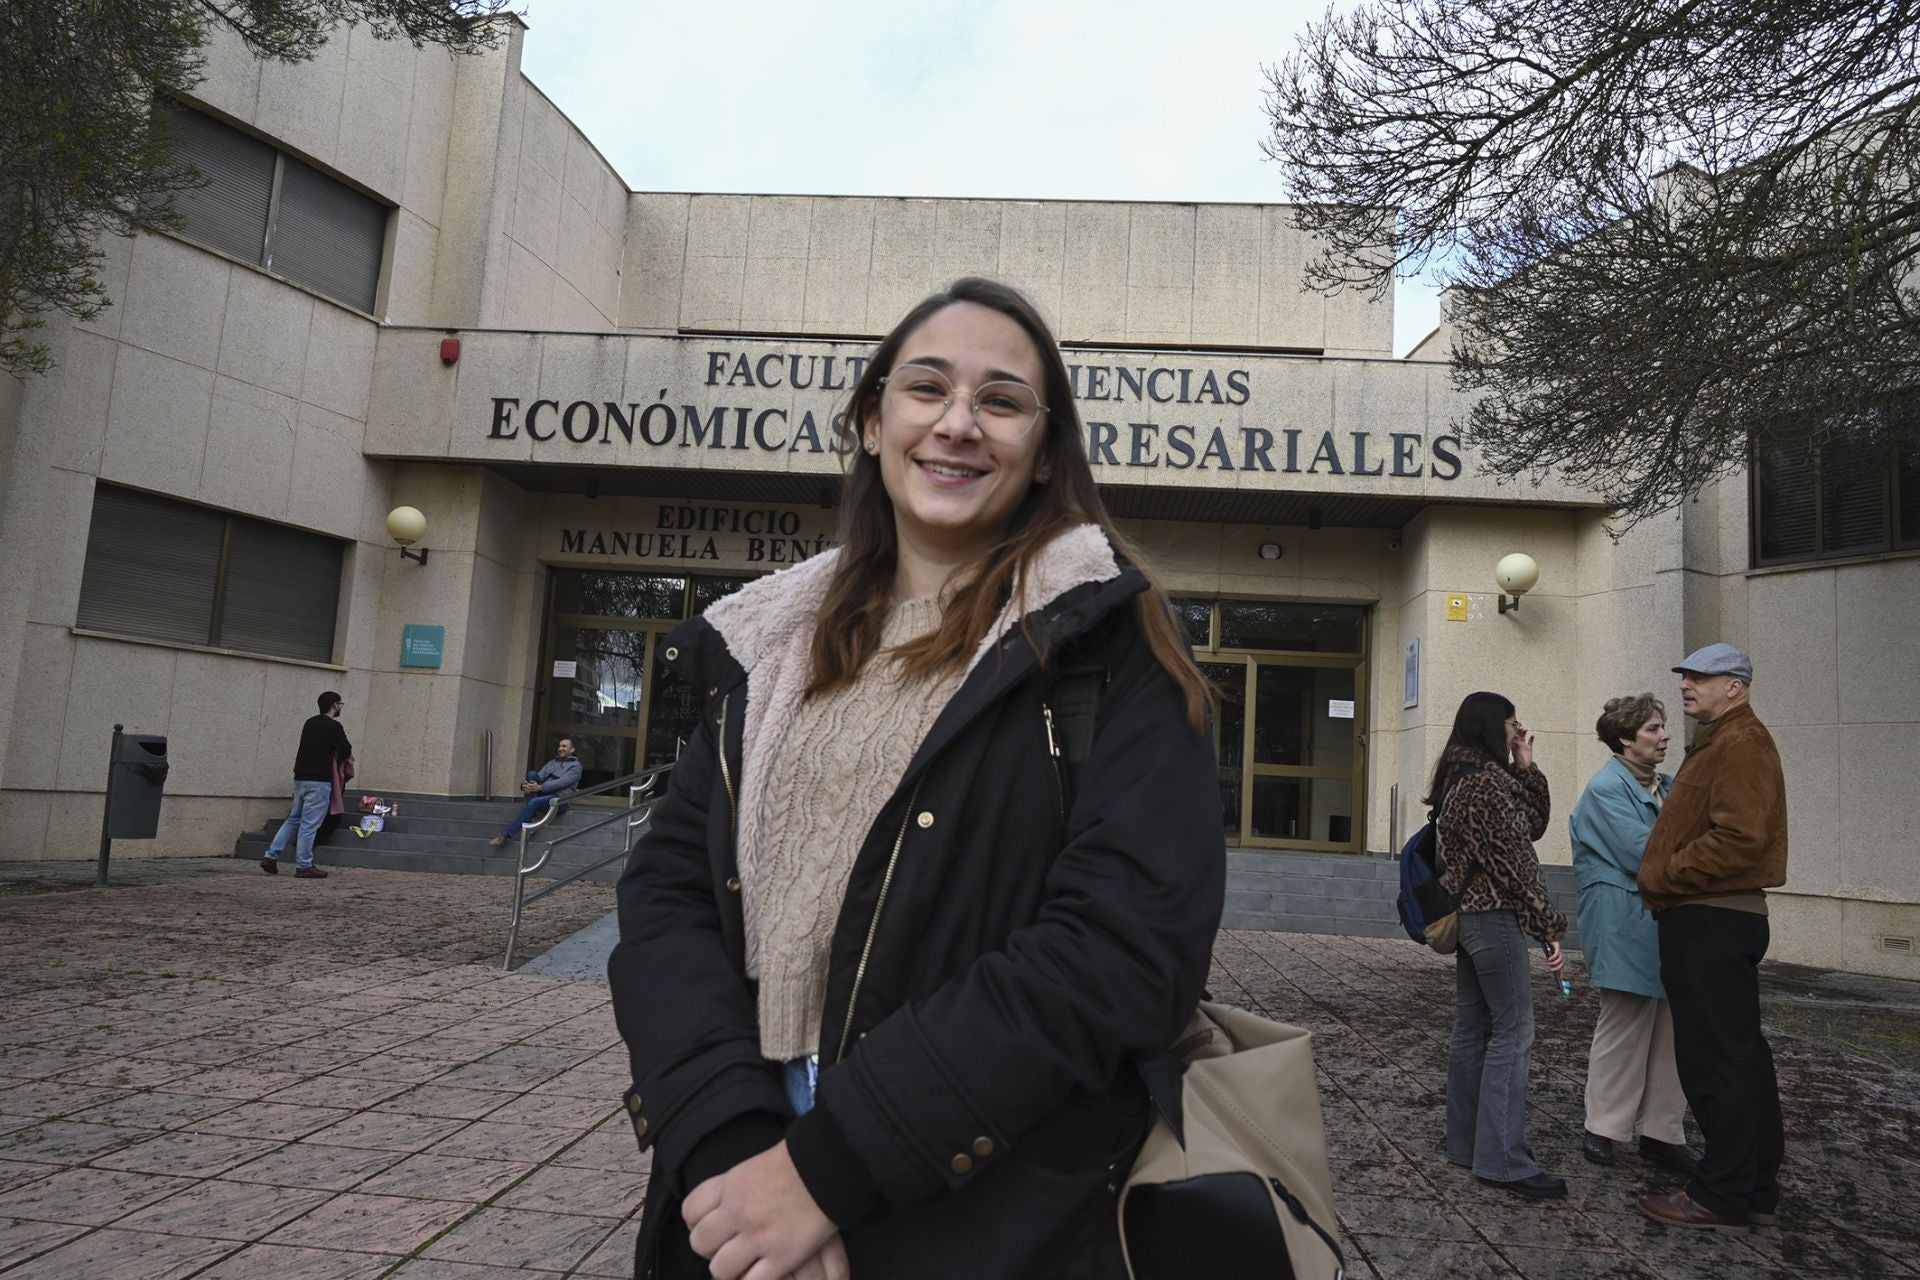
(885, 964)
(900, 525)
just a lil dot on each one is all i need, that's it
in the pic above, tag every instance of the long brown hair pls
(847, 633)
(1479, 729)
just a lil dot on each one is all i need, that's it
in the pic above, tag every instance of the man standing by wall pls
(557, 779)
(1719, 844)
(322, 743)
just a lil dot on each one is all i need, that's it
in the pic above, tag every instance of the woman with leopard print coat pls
(1492, 804)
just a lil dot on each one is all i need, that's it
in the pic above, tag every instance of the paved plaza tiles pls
(213, 1073)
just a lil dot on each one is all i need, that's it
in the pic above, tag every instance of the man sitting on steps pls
(557, 779)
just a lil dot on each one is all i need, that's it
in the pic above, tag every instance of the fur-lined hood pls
(764, 614)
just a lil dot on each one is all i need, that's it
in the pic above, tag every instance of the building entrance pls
(1291, 731)
(603, 683)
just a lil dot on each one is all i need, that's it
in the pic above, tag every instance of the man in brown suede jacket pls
(1719, 844)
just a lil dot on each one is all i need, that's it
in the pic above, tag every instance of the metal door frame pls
(1250, 661)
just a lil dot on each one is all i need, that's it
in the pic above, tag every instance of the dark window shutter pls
(1853, 496)
(328, 236)
(1785, 488)
(229, 213)
(1908, 488)
(151, 567)
(283, 590)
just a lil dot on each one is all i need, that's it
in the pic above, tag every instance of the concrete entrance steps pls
(1338, 893)
(449, 836)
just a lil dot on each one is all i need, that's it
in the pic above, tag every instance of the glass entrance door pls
(597, 694)
(1291, 729)
(1304, 751)
(604, 681)
(1230, 741)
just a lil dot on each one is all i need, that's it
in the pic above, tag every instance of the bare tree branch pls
(84, 154)
(1680, 229)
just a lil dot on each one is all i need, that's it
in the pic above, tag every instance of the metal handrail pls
(639, 785)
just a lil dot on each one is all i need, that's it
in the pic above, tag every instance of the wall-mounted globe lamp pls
(1515, 575)
(406, 526)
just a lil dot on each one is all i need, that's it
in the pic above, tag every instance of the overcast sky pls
(1033, 99)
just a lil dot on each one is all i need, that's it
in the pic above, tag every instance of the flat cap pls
(1718, 660)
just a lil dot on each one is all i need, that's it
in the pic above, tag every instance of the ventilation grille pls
(1901, 946)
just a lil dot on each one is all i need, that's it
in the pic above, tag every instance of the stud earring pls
(873, 446)
(1042, 477)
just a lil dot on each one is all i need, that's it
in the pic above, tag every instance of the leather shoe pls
(1541, 1186)
(1669, 1154)
(1681, 1210)
(309, 873)
(270, 866)
(1595, 1148)
(497, 841)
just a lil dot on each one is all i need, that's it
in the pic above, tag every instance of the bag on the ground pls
(1428, 912)
(1233, 1177)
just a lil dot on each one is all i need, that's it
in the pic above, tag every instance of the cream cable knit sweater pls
(834, 763)
(816, 773)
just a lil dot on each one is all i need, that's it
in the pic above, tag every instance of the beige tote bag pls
(1233, 1178)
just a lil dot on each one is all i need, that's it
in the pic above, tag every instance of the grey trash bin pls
(139, 777)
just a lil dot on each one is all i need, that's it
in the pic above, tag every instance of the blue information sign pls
(422, 645)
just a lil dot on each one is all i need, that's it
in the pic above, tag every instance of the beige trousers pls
(1633, 1086)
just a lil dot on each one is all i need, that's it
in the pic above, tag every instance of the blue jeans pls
(801, 1077)
(311, 800)
(535, 805)
(1487, 1057)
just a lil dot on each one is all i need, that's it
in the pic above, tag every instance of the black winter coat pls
(996, 966)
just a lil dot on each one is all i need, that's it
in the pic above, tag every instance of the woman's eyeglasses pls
(920, 396)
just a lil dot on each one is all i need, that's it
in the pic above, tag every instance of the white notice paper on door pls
(1338, 710)
(564, 670)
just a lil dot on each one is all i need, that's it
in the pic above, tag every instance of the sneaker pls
(497, 841)
(309, 873)
(1541, 1186)
(270, 866)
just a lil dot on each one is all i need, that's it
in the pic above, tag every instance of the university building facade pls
(412, 281)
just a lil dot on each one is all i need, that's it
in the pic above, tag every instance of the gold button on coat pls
(962, 1162)
(639, 1126)
(925, 819)
(733, 884)
(633, 1104)
(983, 1147)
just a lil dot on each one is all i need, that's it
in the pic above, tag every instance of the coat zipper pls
(726, 775)
(873, 926)
(1053, 749)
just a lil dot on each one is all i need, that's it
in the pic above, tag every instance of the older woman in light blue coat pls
(1633, 1086)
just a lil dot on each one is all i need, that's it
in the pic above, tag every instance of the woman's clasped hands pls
(757, 1222)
